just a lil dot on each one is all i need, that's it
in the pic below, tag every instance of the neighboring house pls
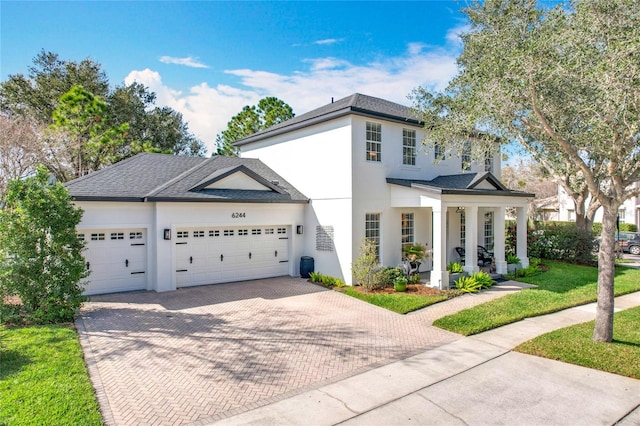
(361, 163)
(629, 211)
(161, 222)
(545, 209)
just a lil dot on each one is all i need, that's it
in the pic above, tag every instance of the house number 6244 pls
(237, 215)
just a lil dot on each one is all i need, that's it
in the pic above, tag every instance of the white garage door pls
(117, 260)
(208, 255)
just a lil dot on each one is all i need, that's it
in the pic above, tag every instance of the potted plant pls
(513, 262)
(455, 272)
(414, 253)
(400, 283)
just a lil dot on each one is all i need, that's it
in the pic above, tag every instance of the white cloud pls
(453, 35)
(208, 109)
(328, 41)
(188, 61)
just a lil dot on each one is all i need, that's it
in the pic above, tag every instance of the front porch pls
(464, 211)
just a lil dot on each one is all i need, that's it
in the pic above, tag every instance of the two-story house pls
(315, 185)
(361, 163)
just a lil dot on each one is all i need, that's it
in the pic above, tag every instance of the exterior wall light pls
(167, 234)
(299, 229)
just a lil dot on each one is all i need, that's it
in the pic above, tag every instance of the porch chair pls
(408, 269)
(484, 256)
(460, 252)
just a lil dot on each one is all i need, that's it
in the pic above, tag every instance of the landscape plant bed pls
(415, 289)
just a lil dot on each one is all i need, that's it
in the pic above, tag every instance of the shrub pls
(40, 257)
(400, 283)
(468, 284)
(561, 241)
(512, 259)
(365, 268)
(455, 268)
(315, 277)
(414, 279)
(483, 279)
(387, 276)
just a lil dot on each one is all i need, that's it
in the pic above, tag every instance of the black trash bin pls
(306, 266)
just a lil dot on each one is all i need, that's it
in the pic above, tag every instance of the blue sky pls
(207, 59)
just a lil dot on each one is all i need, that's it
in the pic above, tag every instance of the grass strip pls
(562, 286)
(43, 378)
(574, 345)
(397, 302)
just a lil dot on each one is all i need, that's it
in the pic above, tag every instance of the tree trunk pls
(603, 331)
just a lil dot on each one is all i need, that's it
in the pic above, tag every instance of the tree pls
(151, 129)
(36, 95)
(252, 119)
(564, 82)
(20, 149)
(88, 143)
(41, 257)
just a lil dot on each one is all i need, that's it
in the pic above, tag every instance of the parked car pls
(629, 242)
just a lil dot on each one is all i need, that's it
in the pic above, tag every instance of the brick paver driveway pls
(200, 354)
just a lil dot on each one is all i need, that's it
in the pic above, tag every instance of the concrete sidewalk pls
(473, 381)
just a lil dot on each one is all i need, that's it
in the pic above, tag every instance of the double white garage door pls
(204, 255)
(117, 260)
(209, 255)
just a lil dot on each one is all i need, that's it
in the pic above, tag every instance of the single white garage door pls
(117, 260)
(208, 255)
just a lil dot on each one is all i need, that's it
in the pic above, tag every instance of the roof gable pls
(237, 178)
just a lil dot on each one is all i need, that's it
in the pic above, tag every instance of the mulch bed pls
(416, 289)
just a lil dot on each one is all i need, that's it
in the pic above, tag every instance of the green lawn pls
(43, 378)
(396, 302)
(574, 345)
(561, 287)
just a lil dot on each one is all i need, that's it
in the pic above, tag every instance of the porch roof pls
(462, 184)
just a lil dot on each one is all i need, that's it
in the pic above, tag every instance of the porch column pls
(499, 241)
(471, 241)
(521, 230)
(439, 274)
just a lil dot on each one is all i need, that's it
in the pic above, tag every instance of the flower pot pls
(400, 286)
(454, 276)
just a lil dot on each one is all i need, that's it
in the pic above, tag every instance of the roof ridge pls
(178, 177)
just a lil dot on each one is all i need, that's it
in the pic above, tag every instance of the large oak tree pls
(564, 82)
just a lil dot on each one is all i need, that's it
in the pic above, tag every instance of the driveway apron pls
(205, 353)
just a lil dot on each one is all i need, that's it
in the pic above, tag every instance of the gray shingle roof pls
(354, 104)
(464, 183)
(160, 177)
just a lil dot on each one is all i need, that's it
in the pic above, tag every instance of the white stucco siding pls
(332, 215)
(188, 215)
(316, 160)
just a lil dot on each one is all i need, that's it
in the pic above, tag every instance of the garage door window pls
(97, 237)
(256, 232)
(182, 234)
(81, 237)
(228, 232)
(135, 235)
(282, 230)
(117, 235)
(243, 232)
(198, 234)
(269, 231)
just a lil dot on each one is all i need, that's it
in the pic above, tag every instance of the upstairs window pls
(374, 141)
(438, 151)
(488, 162)
(409, 147)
